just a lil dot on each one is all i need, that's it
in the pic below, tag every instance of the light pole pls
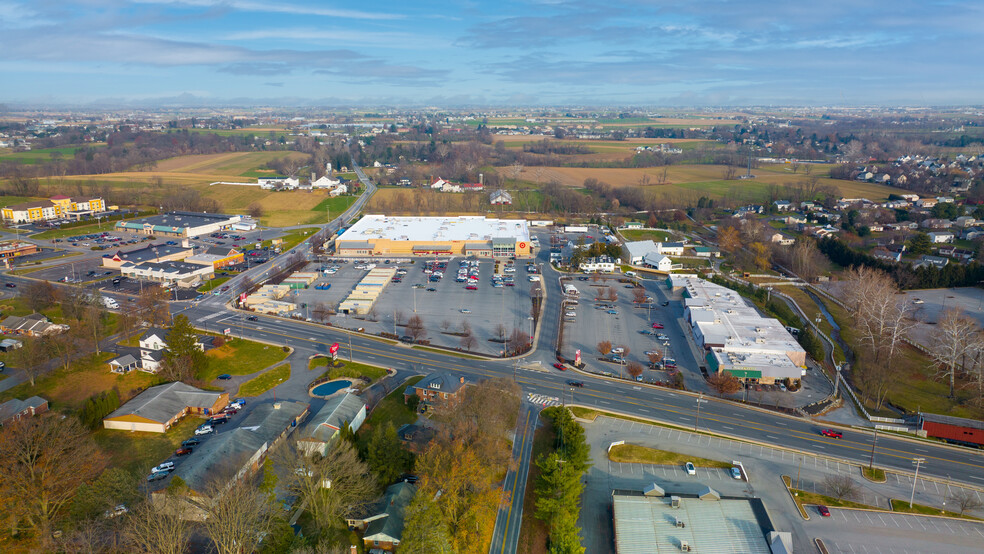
(871, 461)
(918, 462)
(700, 398)
(530, 319)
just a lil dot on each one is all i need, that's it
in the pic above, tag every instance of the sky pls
(493, 53)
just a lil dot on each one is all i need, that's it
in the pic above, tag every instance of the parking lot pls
(445, 306)
(195, 441)
(625, 324)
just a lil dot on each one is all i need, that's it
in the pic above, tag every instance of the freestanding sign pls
(577, 357)
(334, 352)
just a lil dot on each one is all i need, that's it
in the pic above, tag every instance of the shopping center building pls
(380, 235)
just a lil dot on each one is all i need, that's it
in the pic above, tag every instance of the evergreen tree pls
(385, 455)
(425, 530)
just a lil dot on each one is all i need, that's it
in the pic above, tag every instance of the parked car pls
(11, 286)
(657, 325)
(218, 420)
(832, 433)
(824, 511)
(736, 472)
(465, 311)
(612, 312)
(117, 511)
(157, 476)
(691, 470)
(191, 442)
(204, 430)
(163, 466)
(183, 451)
(225, 377)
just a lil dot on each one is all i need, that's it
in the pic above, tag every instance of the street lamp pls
(530, 319)
(700, 398)
(917, 462)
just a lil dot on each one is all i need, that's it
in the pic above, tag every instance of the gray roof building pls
(325, 425)
(234, 453)
(386, 525)
(151, 252)
(15, 409)
(157, 408)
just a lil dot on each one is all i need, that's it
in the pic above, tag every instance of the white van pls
(630, 273)
(110, 303)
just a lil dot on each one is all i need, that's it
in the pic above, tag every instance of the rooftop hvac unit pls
(675, 502)
(684, 546)
(680, 523)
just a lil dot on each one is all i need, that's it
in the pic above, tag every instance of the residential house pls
(926, 202)
(324, 426)
(944, 199)
(935, 223)
(972, 233)
(153, 343)
(938, 238)
(932, 261)
(279, 183)
(965, 221)
(707, 252)
(500, 197)
(437, 389)
(157, 409)
(14, 409)
(781, 239)
(783, 205)
(886, 255)
(33, 325)
(338, 191)
(325, 182)
(124, 364)
(384, 526)
(795, 219)
(810, 206)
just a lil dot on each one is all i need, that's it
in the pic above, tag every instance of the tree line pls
(559, 485)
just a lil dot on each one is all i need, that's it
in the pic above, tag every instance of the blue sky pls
(505, 52)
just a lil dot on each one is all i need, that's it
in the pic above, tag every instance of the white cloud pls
(276, 7)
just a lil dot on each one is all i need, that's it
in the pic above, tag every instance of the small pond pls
(331, 387)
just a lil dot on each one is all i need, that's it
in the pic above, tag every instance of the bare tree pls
(840, 486)
(639, 295)
(500, 331)
(415, 328)
(40, 295)
(152, 304)
(237, 515)
(952, 340)
(724, 383)
(605, 347)
(29, 356)
(468, 341)
(43, 460)
(400, 317)
(445, 325)
(612, 294)
(518, 340)
(634, 369)
(255, 210)
(965, 499)
(654, 357)
(334, 486)
(322, 312)
(155, 527)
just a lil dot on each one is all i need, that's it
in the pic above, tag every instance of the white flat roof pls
(436, 229)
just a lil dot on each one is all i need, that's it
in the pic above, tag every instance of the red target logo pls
(522, 245)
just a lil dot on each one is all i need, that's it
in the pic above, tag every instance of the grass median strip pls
(265, 381)
(449, 353)
(635, 454)
(241, 357)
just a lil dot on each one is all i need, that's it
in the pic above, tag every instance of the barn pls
(952, 429)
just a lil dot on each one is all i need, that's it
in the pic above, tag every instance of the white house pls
(670, 248)
(658, 261)
(325, 182)
(637, 250)
(284, 183)
(602, 264)
(782, 239)
(339, 190)
(783, 205)
(153, 343)
(937, 238)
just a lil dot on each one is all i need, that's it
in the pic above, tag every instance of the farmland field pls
(685, 181)
(45, 154)
(11, 200)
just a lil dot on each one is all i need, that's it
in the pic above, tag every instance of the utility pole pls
(918, 462)
(798, 470)
(871, 461)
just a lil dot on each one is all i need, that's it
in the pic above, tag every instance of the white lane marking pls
(780, 423)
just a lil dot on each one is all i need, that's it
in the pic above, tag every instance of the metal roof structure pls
(163, 402)
(436, 229)
(648, 524)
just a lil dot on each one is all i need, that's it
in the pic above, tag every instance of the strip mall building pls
(380, 235)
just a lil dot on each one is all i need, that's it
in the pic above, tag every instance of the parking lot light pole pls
(700, 398)
(918, 462)
(871, 461)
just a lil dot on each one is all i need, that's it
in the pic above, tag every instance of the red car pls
(823, 510)
(657, 325)
(832, 434)
(183, 451)
(560, 366)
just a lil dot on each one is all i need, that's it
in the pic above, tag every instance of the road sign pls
(333, 350)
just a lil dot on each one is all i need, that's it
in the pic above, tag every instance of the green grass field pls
(137, 452)
(11, 200)
(265, 381)
(352, 370)
(392, 408)
(635, 454)
(45, 154)
(241, 357)
(636, 234)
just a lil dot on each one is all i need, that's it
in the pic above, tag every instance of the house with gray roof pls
(158, 408)
(325, 425)
(34, 325)
(437, 389)
(637, 250)
(384, 527)
(14, 409)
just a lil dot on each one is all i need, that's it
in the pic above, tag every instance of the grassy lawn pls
(352, 370)
(804, 497)
(213, 283)
(85, 377)
(317, 362)
(637, 234)
(43, 155)
(241, 357)
(333, 207)
(265, 381)
(11, 200)
(635, 454)
(392, 408)
(293, 238)
(137, 452)
(97, 227)
(874, 475)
